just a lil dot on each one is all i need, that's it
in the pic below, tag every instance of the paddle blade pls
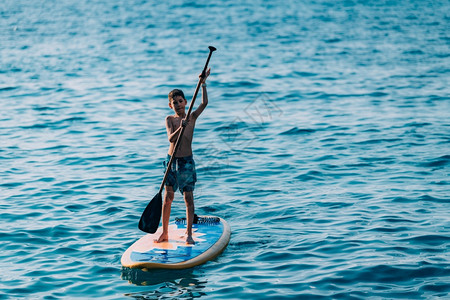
(151, 216)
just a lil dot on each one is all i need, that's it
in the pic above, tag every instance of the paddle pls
(151, 216)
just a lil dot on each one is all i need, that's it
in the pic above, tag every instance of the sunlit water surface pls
(325, 146)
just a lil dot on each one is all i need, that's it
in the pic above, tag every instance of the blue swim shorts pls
(182, 174)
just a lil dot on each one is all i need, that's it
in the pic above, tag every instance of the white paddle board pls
(211, 236)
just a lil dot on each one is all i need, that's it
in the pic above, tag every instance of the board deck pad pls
(211, 236)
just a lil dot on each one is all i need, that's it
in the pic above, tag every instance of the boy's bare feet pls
(190, 240)
(164, 237)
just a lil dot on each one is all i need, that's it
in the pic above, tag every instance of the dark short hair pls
(174, 93)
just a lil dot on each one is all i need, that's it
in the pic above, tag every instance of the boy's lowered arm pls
(171, 133)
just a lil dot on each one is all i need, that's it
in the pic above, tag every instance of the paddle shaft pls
(177, 143)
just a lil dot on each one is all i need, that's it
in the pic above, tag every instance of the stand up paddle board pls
(211, 236)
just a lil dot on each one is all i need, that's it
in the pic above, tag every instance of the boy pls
(182, 174)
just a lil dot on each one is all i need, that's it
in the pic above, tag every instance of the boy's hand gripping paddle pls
(151, 216)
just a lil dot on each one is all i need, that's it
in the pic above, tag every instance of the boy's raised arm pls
(204, 103)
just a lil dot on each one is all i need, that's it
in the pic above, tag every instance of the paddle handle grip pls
(211, 50)
(177, 143)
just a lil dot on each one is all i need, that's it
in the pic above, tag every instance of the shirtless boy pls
(182, 175)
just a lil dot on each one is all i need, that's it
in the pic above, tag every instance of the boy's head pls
(177, 96)
(176, 93)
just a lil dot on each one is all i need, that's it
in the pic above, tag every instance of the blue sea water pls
(325, 145)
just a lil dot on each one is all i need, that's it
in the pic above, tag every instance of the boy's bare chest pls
(176, 123)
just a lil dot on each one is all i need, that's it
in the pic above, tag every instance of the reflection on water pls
(165, 283)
